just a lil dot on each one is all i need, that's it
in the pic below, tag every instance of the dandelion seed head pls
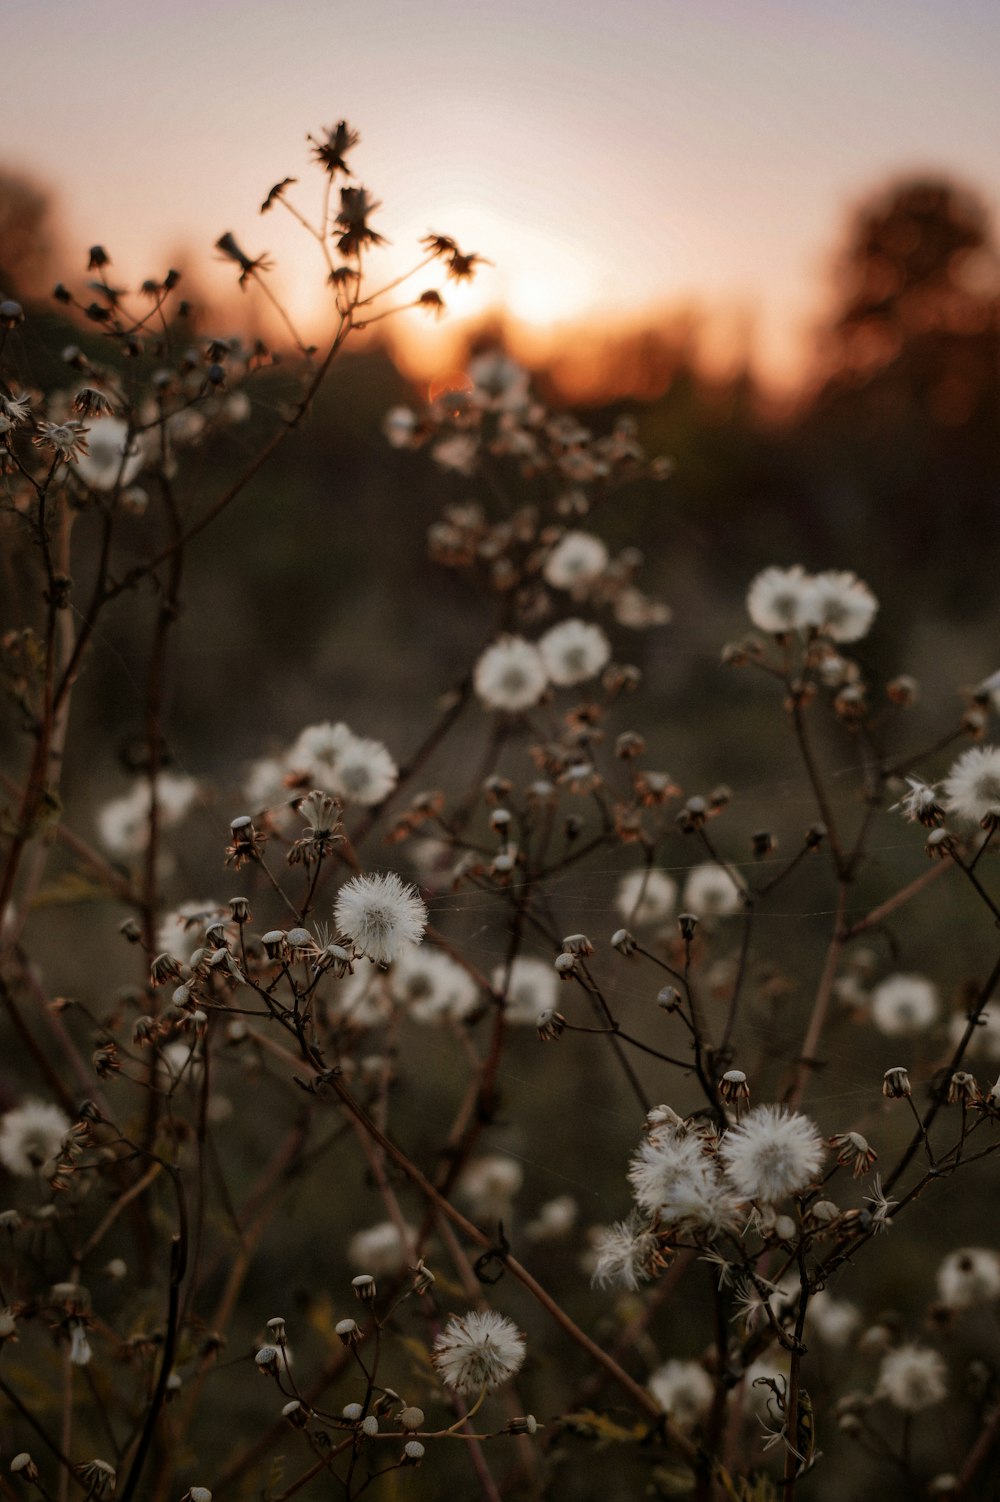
(840, 605)
(969, 1276)
(684, 1390)
(30, 1135)
(510, 675)
(912, 1377)
(478, 1350)
(710, 892)
(903, 1004)
(777, 599)
(574, 651)
(646, 896)
(771, 1154)
(972, 787)
(381, 915)
(577, 559)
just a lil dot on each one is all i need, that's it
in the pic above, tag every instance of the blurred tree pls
(26, 235)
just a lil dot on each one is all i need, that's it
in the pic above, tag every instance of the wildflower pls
(664, 1162)
(364, 772)
(626, 1254)
(683, 1390)
(577, 559)
(381, 915)
(968, 1277)
(379, 1249)
(920, 804)
(834, 1320)
(16, 409)
(510, 675)
(352, 220)
(499, 382)
(882, 1206)
(646, 896)
(772, 1153)
(30, 1135)
(854, 1152)
(99, 1478)
(734, 1086)
(973, 786)
(710, 892)
(478, 1352)
(963, 1089)
(530, 989)
(489, 1184)
(896, 1083)
(68, 440)
(432, 986)
(114, 455)
(574, 651)
(904, 1004)
(400, 427)
(123, 824)
(840, 606)
(90, 402)
(777, 598)
(317, 750)
(912, 1377)
(554, 1219)
(331, 150)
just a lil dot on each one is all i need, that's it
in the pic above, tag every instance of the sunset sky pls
(608, 157)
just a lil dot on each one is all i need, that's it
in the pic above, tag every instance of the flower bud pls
(349, 1331)
(687, 923)
(623, 941)
(896, 1083)
(550, 1025)
(364, 1288)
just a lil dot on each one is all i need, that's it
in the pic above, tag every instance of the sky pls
(609, 156)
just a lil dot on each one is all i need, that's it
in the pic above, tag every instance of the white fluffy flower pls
(317, 750)
(912, 1377)
(30, 1135)
(364, 772)
(710, 892)
(264, 784)
(972, 786)
(532, 988)
(489, 1185)
(771, 1154)
(432, 986)
(378, 1250)
(574, 651)
(112, 458)
(499, 382)
(123, 824)
(904, 1004)
(510, 675)
(476, 1351)
(624, 1255)
(553, 1220)
(361, 1000)
(182, 930)
(577, 559)
(777, 599)
(381, 915)
(646, 896)
(840, 605)
(675, 1179)
(969, 1276)
(683, 1390)
(834, 1320)
(985, 1040)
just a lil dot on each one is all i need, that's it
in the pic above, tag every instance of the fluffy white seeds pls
(625, 1254)
(972, 787)
(378, 1250)
(646, 896)
(432, 987)
(711, 892)
(777, 599)
(30, 1135)
(533, 988)
(380, 915)
(577, 559)
(477, 1351)
(904, 1004)
(123, 824)
(113, 459)
(841, 606)
(510, 675)
(771, 1154)
(364, 772)
(574, 651)
(912, 1378)
(969, 1276)
(317, 750)
(684, 1390)
(489, 1184)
